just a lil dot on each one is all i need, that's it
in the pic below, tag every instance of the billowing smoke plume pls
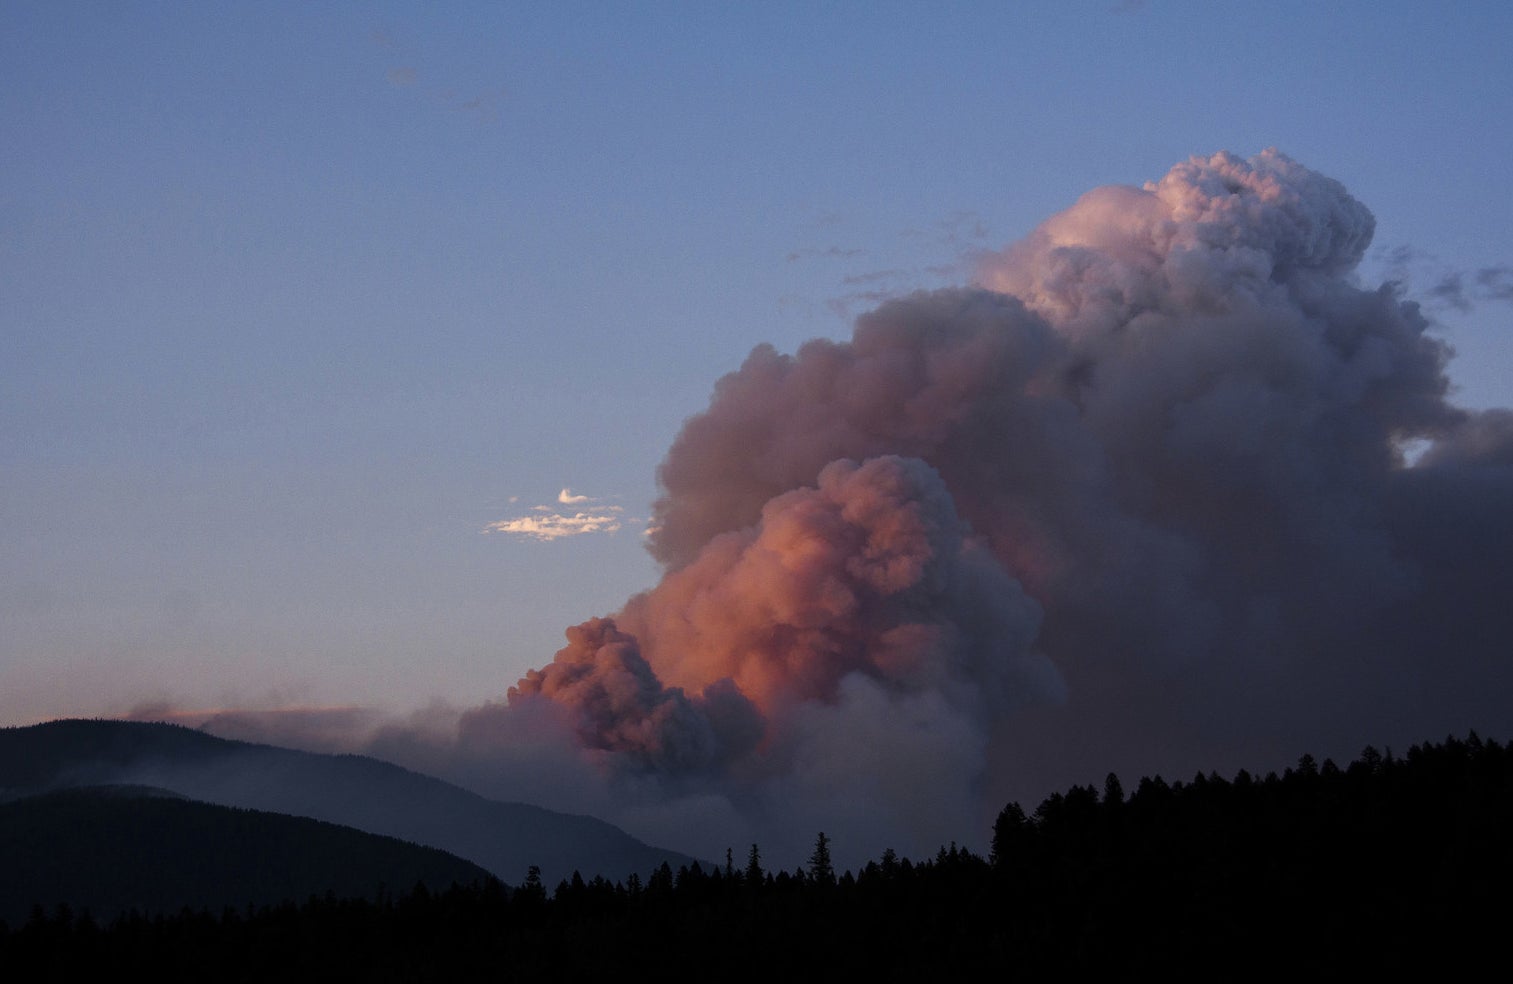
(1139, 500)
(859, 603)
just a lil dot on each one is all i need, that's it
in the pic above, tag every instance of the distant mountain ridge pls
(353, 790)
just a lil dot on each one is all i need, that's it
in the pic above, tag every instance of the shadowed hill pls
(115, 848)
(370, 795)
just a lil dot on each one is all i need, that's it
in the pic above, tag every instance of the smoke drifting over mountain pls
(1136, 501)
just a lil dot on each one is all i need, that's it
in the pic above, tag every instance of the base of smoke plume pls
(877, 770)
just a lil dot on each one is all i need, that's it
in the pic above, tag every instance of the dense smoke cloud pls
(870, 573)
(1136, 501)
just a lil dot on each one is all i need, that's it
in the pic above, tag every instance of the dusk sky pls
(340, 343)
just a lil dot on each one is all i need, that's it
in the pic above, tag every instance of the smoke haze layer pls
(1137, 500)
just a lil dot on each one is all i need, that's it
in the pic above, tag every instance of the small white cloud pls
(549, 523)
(556, 525)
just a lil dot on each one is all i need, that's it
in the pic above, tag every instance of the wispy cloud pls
(1496, 283)
(962, 228)
(409, 69)
(550, 523)
(555, 526)
(1460, 289)
(829, 252)
(336, 728)
(876, 276)
(955, 241)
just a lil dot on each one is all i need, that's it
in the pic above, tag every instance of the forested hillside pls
(1386, 862)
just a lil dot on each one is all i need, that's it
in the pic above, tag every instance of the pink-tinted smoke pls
(1135, 501)
(869, 573)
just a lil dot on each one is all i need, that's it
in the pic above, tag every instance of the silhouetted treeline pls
(1385, 860)
(1385, 863)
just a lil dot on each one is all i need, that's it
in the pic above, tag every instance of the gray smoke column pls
(1137, 500)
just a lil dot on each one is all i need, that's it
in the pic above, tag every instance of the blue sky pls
(297, 300)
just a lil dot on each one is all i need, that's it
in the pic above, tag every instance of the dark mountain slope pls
(115, 848)
(374, 796)
(1388, 868)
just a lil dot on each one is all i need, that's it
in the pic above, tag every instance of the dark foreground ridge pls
(1388, 862)
(112, 849)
